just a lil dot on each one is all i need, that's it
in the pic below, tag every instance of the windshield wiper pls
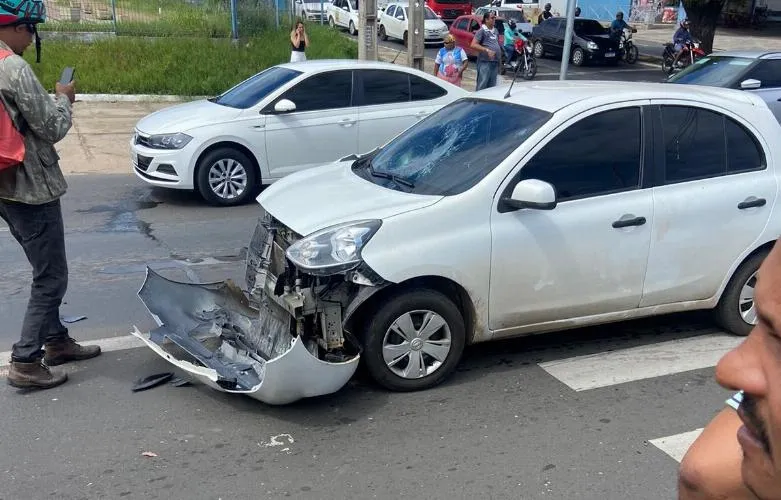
(395, 178)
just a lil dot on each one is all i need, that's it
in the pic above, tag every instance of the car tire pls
(352, 29)
(331, 22)
(383, 34)
(539, 50)
(404, 39)
(632, 54)
(382, 335)
(731, 314)
(218, 167)
(578, 56)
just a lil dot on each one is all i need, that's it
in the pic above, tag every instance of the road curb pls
(134, 98)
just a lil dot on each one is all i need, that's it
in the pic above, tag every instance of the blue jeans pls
(487, 72)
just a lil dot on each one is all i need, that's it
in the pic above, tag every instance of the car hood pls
(602, 41)
(186, 116)
(320, 197)
(434, 24)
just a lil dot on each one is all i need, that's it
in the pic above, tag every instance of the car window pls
(694, 143)
(401, 14)
(454, 148)
(423, 90)
(714, 71)
(474, 25)
(744, 153)
(589, 27)
(391, 11)
(331, 90)
(768, 72)
(599, 154)
(252, 90)
(461, 25)
(429, 14)
(381, 86)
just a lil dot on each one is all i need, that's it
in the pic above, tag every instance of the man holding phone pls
(30, 199)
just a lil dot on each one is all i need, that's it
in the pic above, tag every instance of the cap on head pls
(22, 12)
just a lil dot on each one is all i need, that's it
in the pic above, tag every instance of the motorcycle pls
(692, 52)
(631, 52)
(521, 59)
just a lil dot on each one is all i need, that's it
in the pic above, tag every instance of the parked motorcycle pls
(522, 59)
(692, 52)
(631, 52)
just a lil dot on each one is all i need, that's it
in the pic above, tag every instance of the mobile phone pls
(67, 75)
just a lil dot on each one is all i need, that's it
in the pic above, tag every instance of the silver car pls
(754, 71)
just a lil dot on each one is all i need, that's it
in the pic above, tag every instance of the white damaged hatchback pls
(563, 205)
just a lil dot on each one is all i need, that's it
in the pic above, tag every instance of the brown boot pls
(33, 376)
(62, 351)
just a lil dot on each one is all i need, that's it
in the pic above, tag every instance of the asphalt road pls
(520, 419)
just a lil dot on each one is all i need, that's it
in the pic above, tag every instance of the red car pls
(464, 28)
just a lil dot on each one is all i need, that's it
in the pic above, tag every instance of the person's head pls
(577, 11)
(755, 368)
(450, 41)
(685, 24)
(18, 23)
(619, 16)
(511, 24)
(489, 19)
(547, 7)
(299, 25)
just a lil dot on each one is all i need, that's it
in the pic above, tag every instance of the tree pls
(703, 16)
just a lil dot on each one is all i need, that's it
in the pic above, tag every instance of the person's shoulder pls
(15, 62)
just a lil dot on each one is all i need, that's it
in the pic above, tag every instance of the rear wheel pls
(404, 39)
(226, 177)
(352, 29)
(383, 35)
(736, 311)
(414, 341)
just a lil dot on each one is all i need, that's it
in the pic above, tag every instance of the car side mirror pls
(346, 8)
(750, 84)
(284, 106)
(531, 193)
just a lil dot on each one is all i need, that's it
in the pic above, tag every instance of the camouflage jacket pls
(44, 121)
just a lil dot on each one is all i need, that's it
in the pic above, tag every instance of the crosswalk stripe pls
(106, 345)
(603, 369)
(677, 445)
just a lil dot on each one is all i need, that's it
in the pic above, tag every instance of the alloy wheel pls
(746, 307)
(228, 178)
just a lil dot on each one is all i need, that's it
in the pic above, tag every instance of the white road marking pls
(106, 345)
(677, 445)
(637, 363)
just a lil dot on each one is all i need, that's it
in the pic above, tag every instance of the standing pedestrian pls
(451, 61)
(486, 43)
(30, 199)
(300, 42)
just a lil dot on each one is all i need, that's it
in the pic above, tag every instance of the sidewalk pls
(726, 39)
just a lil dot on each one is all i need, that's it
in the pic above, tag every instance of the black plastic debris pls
(152, 381)
(72, 319)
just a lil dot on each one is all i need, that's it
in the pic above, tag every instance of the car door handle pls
(346, 122)
(751, 203)
(634, 221)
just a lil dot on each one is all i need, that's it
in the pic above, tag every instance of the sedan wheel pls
(352, 29)
(736, 311)
(414, 341)
(226, 177)
(539, 50)
(578, 57)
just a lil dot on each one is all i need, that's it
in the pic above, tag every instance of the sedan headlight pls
(168, 141)
(333, 250)
(592, 46)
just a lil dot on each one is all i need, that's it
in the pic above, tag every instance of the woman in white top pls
(300, 41)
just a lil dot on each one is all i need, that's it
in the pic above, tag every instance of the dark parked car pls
(591, 41)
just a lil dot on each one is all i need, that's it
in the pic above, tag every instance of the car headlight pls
(168, 141)
(333, 250)
(592, 45)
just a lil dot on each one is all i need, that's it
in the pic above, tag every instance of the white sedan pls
(284, 119)
(394, 23)
(564, 205)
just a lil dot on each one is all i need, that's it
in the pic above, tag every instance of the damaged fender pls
(211, 332)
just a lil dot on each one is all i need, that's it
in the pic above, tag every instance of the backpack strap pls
(18, 121)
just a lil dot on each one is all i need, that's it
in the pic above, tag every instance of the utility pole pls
(234, 21)
(568, 39)
(367, 30)
(415, 36)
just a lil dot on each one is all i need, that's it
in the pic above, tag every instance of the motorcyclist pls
(546, 14)
(510, 35)
(618, 26)
(681, 37)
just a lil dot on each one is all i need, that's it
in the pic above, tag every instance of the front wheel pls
(736, 311)
(539, 49)
(531, 69)
(578, 57)
(632, 54)
(331, 22)
(414, 341)
(226, 177)
(352, 29)
(667, 64)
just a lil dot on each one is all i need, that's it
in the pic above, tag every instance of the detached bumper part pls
(211, 332)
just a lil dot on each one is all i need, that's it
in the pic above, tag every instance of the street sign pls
(367, 30)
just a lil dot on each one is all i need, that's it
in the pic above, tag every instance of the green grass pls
(179, 66)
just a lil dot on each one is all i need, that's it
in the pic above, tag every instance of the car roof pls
(748, 54)
(554, 95)
(316, 65)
